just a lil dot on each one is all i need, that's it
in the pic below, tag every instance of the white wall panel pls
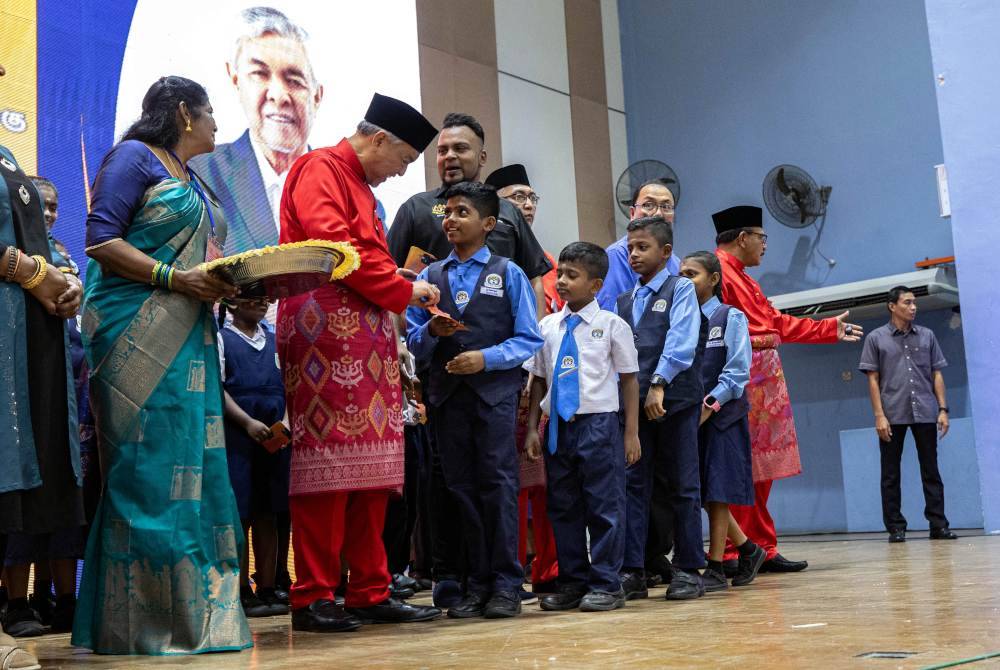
(531, 41)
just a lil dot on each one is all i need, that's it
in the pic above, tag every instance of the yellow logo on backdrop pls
(19, 88)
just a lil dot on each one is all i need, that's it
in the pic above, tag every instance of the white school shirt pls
(258, 342)
(606, 349)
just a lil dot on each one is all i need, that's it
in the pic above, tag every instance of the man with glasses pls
(651, 198)
(774, 447)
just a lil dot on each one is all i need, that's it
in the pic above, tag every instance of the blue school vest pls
(686, 388)
(711, 367)
(490, 321)
(253, 378)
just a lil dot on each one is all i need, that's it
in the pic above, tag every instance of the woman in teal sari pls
(161, 567)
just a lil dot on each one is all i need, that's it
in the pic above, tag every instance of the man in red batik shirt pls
(338, 347)
(774, 447)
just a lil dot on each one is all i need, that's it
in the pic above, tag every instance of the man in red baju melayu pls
(774, 447)
(338, 348)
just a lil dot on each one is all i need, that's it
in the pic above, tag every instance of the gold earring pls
(188, 126)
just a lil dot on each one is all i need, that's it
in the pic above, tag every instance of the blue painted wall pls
(723, 91)
(963, 37)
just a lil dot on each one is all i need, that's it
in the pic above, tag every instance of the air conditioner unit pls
(935, 288)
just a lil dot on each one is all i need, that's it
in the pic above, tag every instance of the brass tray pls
(286, 269)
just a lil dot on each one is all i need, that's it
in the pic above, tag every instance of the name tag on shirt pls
(489, 290)
(660, 306)
(715, 343)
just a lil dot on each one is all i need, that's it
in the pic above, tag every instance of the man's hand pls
(942, 423)
(848, 332)
(533, 445)
(466, 363)
(441, 326)
(883, 428)
(633, 451)
(706, 414)
(654, 403)
(424, 294)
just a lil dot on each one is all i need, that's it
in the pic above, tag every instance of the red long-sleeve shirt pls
(741, 291)
(326, 197)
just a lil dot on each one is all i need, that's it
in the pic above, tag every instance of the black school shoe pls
(568, 598)
(602, 601)
(269, 596)
(402, 587)
(943, 534)
(897, 536)
(44, 605)
(634, 585)
(503, 605)
(685, 586)
(714, 581)
(731, 567)
(471, 606)
(22, 621)
(749, 566)
(781, 564)
(392, 610)
(324, 616)
(253, 606)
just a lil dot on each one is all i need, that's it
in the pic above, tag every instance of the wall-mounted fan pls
(794, 199)
(638, 173)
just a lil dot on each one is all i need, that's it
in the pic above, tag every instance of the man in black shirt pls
(461, 157)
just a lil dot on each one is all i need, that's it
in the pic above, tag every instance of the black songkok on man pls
(737, 218)
(397, 117)
(509, 175)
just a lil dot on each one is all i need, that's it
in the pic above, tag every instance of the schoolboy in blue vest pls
(670, 333)
(576, 372)
(475, 355)
(254, 401)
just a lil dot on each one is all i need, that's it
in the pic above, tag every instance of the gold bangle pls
(41, 269)
(156, 270)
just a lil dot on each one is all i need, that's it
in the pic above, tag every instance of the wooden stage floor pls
(939, 601)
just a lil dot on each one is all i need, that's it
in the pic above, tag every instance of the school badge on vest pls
(660, 305)
(7, 164)
(715, 337)
(25, 196)
(493, 285)
(461, 298)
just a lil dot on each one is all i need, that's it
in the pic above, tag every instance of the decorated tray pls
(286, 269)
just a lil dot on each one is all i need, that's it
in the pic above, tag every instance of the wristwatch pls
(658, 380)
(711, 403)
(943, 409)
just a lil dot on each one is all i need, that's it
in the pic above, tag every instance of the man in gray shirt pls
(903, 362)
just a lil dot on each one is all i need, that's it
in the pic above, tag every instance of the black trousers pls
(401, 513)
(925, 435)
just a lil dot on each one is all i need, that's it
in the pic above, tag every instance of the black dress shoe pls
(731, 567)
(472, 605)
(685, 586)
(568, 598)
(602, 601)
(943, 534)
(897, 536)
(391, 610)
(324, 616)
(748, 566)
(269, 596)
(253, 606)
(634, 585)
(21, 620)
(503, 605)
(405, 582)
(714, 581)
(781, 564)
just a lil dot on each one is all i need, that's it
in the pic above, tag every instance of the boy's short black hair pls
(661, 229)
(896, 292)
(458, 119)
(587, 255)
(482, 196)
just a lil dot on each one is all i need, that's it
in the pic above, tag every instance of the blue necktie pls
(639, 304)
(565, 398)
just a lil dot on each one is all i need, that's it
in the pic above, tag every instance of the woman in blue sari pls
(161, 567)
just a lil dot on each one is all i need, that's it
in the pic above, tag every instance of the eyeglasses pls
(762, 236)
(649, 207)
(521, 198)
